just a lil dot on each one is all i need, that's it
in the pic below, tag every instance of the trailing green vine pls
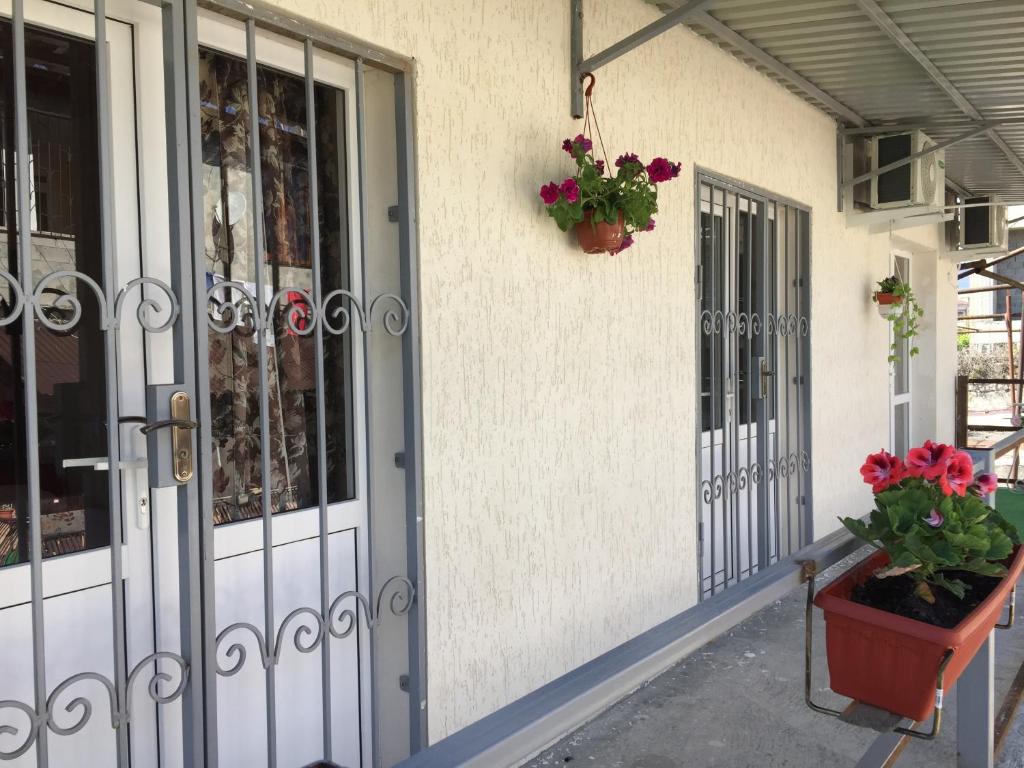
(904, 316)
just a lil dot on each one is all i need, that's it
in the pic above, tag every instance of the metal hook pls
(593, 80)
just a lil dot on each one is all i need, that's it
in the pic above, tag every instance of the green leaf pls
(955, 586)
(984, 567)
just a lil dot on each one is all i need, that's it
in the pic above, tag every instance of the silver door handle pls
(765, 374)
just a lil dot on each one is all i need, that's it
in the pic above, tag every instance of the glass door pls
(77, 304)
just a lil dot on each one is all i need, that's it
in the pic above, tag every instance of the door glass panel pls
(287, 266)
(901, 367)
(712, 260)
(70, 363)
(901, 428)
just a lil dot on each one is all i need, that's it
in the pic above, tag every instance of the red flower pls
(570, 189)
(929, 461)
(549, 193)
(881, 470)
(661, 169)
(959, 474)
(985, 483)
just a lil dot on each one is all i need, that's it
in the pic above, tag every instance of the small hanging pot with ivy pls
(897, 303)
(605, 209)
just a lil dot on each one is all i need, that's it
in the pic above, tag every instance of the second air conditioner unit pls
(982, 224)
(919, 182)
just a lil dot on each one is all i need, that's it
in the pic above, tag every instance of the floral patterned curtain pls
(286, 263)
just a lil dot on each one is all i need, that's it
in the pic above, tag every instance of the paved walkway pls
(738, 703)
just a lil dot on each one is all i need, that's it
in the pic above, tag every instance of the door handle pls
(765, 374)
(174, 423)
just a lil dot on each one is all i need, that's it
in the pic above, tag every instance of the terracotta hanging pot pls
(890, 661)
(887, 298)
(601, 236)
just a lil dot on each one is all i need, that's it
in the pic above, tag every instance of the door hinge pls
(403, 683)
(400, 460)
(393, 214)
(700, 540)
(698, 277)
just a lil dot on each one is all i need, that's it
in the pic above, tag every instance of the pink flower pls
(567, 145)
(600, 167)
(985, 483)
(959, 474)
(629, 157)
(570, 189)
(549, 193)
(929, 461)
(661, 169)
(882, 469)
(626, 242)
(650, 226)
(935, 519)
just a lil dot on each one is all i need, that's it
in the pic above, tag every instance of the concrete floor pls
(738, 703)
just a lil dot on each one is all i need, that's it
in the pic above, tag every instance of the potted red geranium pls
(926, 600)
(606, 209)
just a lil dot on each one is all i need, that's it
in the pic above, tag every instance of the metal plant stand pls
(975, 706)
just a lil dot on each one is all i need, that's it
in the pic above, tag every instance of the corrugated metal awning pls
(944, 64)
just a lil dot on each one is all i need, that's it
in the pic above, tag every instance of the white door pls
(282, 702)
(280, 408)
(80, 637)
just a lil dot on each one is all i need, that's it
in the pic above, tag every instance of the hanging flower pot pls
(903, 624)
(605, 208)
(600, 236)
(898, 304)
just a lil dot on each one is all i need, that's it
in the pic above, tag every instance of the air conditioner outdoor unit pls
(982, 226)
(920, 182)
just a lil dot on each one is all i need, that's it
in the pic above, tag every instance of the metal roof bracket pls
(578, 66)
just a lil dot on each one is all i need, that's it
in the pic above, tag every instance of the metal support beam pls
(1008, 282)
(840, 170)
(641, 36)
(769, 62)
(575, 57)
(578, 66)
(969, 268)
(976, 131)
(975, 710)
(891, 28)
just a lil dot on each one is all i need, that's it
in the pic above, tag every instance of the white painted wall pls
(558, 388)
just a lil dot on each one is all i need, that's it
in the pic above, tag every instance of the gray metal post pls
(975, 709)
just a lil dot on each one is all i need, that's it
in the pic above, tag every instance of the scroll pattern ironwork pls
(61, 310)
(80, 708)
(734, 482)
(742, 324)
(233, 307)
(309, 635)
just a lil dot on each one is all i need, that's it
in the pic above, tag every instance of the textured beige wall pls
(558, 388)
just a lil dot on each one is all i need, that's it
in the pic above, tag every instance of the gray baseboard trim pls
(523, 728)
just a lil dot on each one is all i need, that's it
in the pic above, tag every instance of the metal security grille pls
(753, 441)
(82, 327)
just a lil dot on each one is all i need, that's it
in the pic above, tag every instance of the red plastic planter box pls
(890, 661)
